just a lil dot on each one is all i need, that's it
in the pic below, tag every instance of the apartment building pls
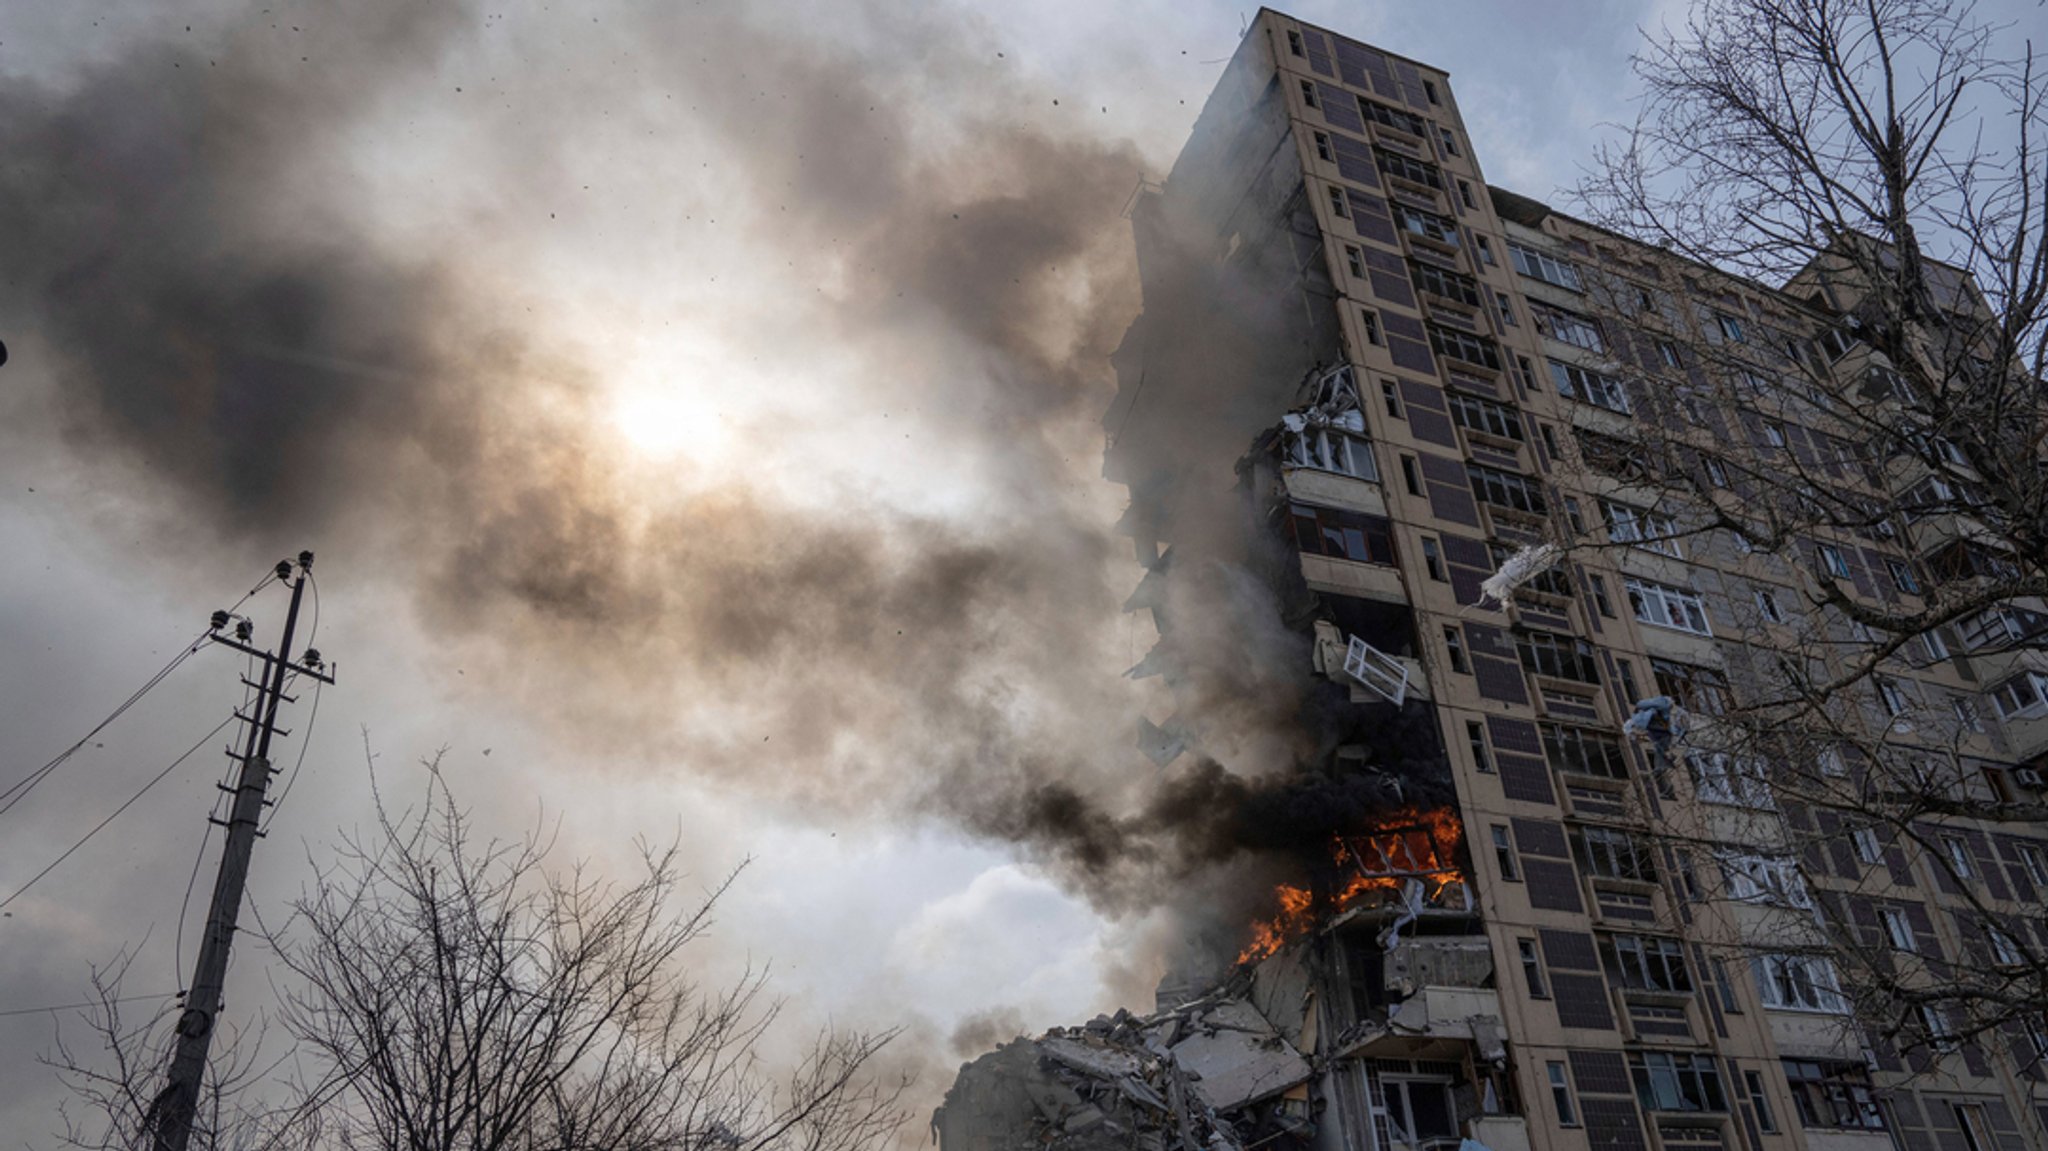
(1371, 378)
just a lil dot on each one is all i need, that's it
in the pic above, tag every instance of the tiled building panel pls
(1369, 216)
(1600, 1073)
(1501, 680)
(1354, 162)
(1569, 950)
(1582, 1001)
(1553, 886)
(1317, 47)
(1452, 503)
(1541, 837)
(1515, 735)
(1408, 344)
(1340, 109)
(1522, 777)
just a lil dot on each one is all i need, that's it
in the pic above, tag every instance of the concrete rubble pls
(1210, 1075)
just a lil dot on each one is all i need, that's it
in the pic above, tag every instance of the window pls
(1354, 261)
(1868, 848)
(1341, 535)
(1733, 780)
(1465, 195)
(1902, 577)
(1428, 225)
(1485, 247)
(1486, 416)
(1829, 760)
(1730, 327)
(1699, 689)
(2021, 695)
(1890, 696)
(1444, 283)
(1323, 152)
(1391, 117)
(1774, 433)
(1976, 1133)
(1561, 1095)
(1584, 384)
(1642, 527)
(2036, 863)
(1410, 478)
(1832, 559)
(1504, 854)
(1419, 1111)
(1433, 558)
(1768, 605)
(1450, 141)
(1390, 395)
(1572, 516)
(2005, 950)
(1668, 1082)
(1958, 854)
(1505, 489)
(1567, 327)
(1454, 643)
(1611, 854)
(1624, 459)
(1583, 751)
(1549, 436)
(1644, 963)
(1338, 207)
(1549, 269)
(1601, 603)
(1832, 1095)
(1898, 930)
(1532, 968)
(1717, 472)
(1937, 647)
(1308, 93)
(1799, 983)
(1429, 91)
(1369, 323)
(1765, 879)
(1465, 346)
(1329, 450)
(1765, 1121)
(1506, 308)
(1294, 43)
(1662, 605)
(1935, 1022)
(1475, 738)
(1401, 167)
(1668, 352)
(1557, 656)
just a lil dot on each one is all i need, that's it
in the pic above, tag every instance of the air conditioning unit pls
(2029, 777)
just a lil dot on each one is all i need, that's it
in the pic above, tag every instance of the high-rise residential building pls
(1371, 379)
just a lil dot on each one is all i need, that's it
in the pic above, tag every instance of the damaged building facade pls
(1370, 380)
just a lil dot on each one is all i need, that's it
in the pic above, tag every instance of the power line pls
(86, 1003)
(20, 789)
(125, 805)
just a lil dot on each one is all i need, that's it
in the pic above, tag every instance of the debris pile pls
(1210, 1075)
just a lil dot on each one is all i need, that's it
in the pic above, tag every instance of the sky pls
(694, 412)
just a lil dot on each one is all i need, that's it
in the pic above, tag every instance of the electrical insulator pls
(244, 629)
(220, 620)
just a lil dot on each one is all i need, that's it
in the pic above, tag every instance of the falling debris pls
(1528, 562)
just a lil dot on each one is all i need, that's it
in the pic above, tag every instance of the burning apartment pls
(1383, 391)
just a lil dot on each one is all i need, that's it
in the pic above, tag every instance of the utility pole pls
(169, 1123)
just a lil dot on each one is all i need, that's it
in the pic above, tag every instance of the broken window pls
(1568, 327)
(1433, 559)
(1419, 1111)
(1585, 384)
(1668, 1082)
(1340, 534)
(1697, 688)
(1662, 605)
(1549, 269)
(1391, 117)
(1799, 983)
(1611, 854)
(1561, 1095)
(1475, 736)
(1557, 656)
(1329, 450)
(1427, 225)
(1764, 879)
(1506, 490)
(1645, 963)
(1454, 643)
(1653, 530)
(1403, 168)
(1733, 780)
(1444, 283)
(1504, 853)
(1489, 417)
(1583, 751)
(1532, 968)
(1832, 1095)
(1454, 344)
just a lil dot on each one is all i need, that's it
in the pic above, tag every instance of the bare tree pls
(1862, 455)
(442, 993)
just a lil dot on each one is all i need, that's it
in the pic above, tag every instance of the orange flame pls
(1410, 844)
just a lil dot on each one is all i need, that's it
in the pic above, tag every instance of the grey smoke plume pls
(227, 327)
